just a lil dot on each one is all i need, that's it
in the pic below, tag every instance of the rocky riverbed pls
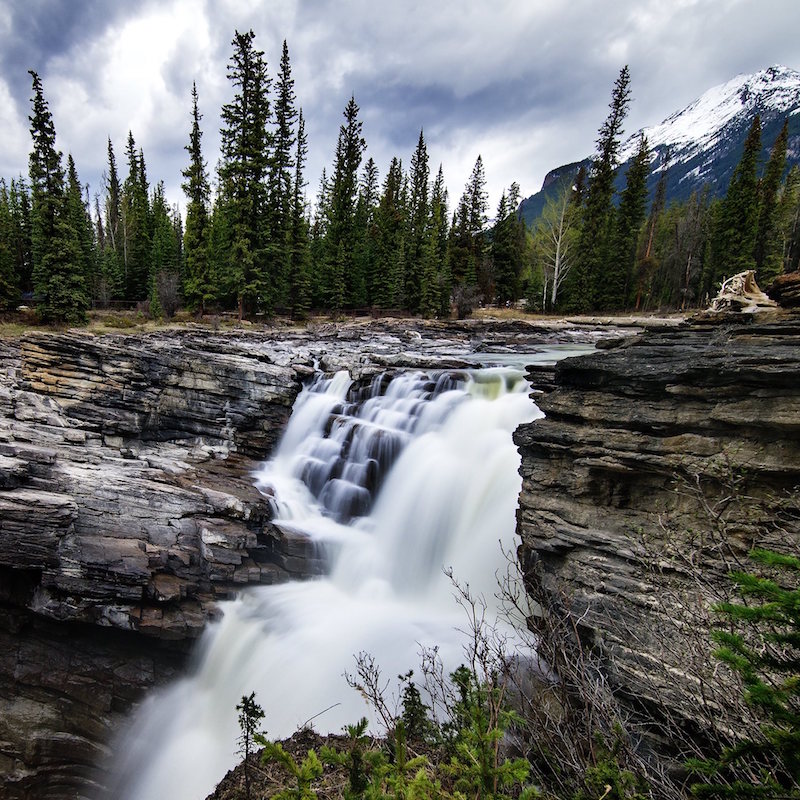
(127, 507)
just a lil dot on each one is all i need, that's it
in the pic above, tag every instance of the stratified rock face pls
(635, 440)
(126, 507)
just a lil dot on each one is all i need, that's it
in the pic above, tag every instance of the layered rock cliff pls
(659, 464)
(127, 508)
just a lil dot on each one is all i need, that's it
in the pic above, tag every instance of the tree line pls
(253, 244)
(598, 250)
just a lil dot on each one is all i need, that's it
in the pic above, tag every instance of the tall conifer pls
(418, 218)
(280, 174)
(299, 266)
(614, 290)
(342, 281)
(198, 284)
(243, 171)
(9, 281)
(58, 280)
(767, 251)
(594, 246)
(19, 204)
(734, 238)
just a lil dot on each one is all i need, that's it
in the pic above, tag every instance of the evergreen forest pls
(250, 242)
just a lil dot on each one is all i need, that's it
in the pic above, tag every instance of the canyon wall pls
(126, 511)
(127, 508)
(661, 462)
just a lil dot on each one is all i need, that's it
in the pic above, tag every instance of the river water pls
(396, 482)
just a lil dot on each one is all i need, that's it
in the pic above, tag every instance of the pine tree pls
(734, 237)
(418, 214)
(343, 284)
(280, 196)
(596, 232)
(767, 251)
(613, 292)
(58, 280)
(111, 282)
(435, 295)
(467, 231)
(508, 247)
(81, 222)
(645, 264)
(164, 258)
(135, 225)
(318, 243)
(198, 285)
(365, 255)
(243, 171)
(299, 251)
(390, 216)
(788, 221)
(762, 645)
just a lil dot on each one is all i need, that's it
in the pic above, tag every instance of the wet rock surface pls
(638, 440)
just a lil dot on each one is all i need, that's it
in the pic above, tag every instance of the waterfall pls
(395, 481)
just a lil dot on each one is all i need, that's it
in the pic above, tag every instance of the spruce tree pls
(646, 264)
(318, 243)
(598, 220)
(343, 284)
(198, 284)
(81, 222)
(435, 294)
(112, 258)
(365, 254)
(615, 288)
(767, 254)
(135, 225)
(58, 281)
(299, 266)
(279, 210)
(508, 247)
(734, 238)
(390, 216)
(164, 258)
(466, 239)
(243, 172)
(418, 214)
(788, 221)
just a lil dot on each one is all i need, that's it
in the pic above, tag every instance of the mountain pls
(704, 141)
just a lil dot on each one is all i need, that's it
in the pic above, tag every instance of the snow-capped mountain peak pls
(700, 124)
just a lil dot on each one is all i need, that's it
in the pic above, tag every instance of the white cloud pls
(525, 84)
(16, 138)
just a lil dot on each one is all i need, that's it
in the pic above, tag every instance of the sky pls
(523, 83)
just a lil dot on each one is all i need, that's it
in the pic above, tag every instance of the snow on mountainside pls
(699, 126)
(702, 143)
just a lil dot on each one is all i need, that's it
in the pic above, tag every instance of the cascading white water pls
(416, 474)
